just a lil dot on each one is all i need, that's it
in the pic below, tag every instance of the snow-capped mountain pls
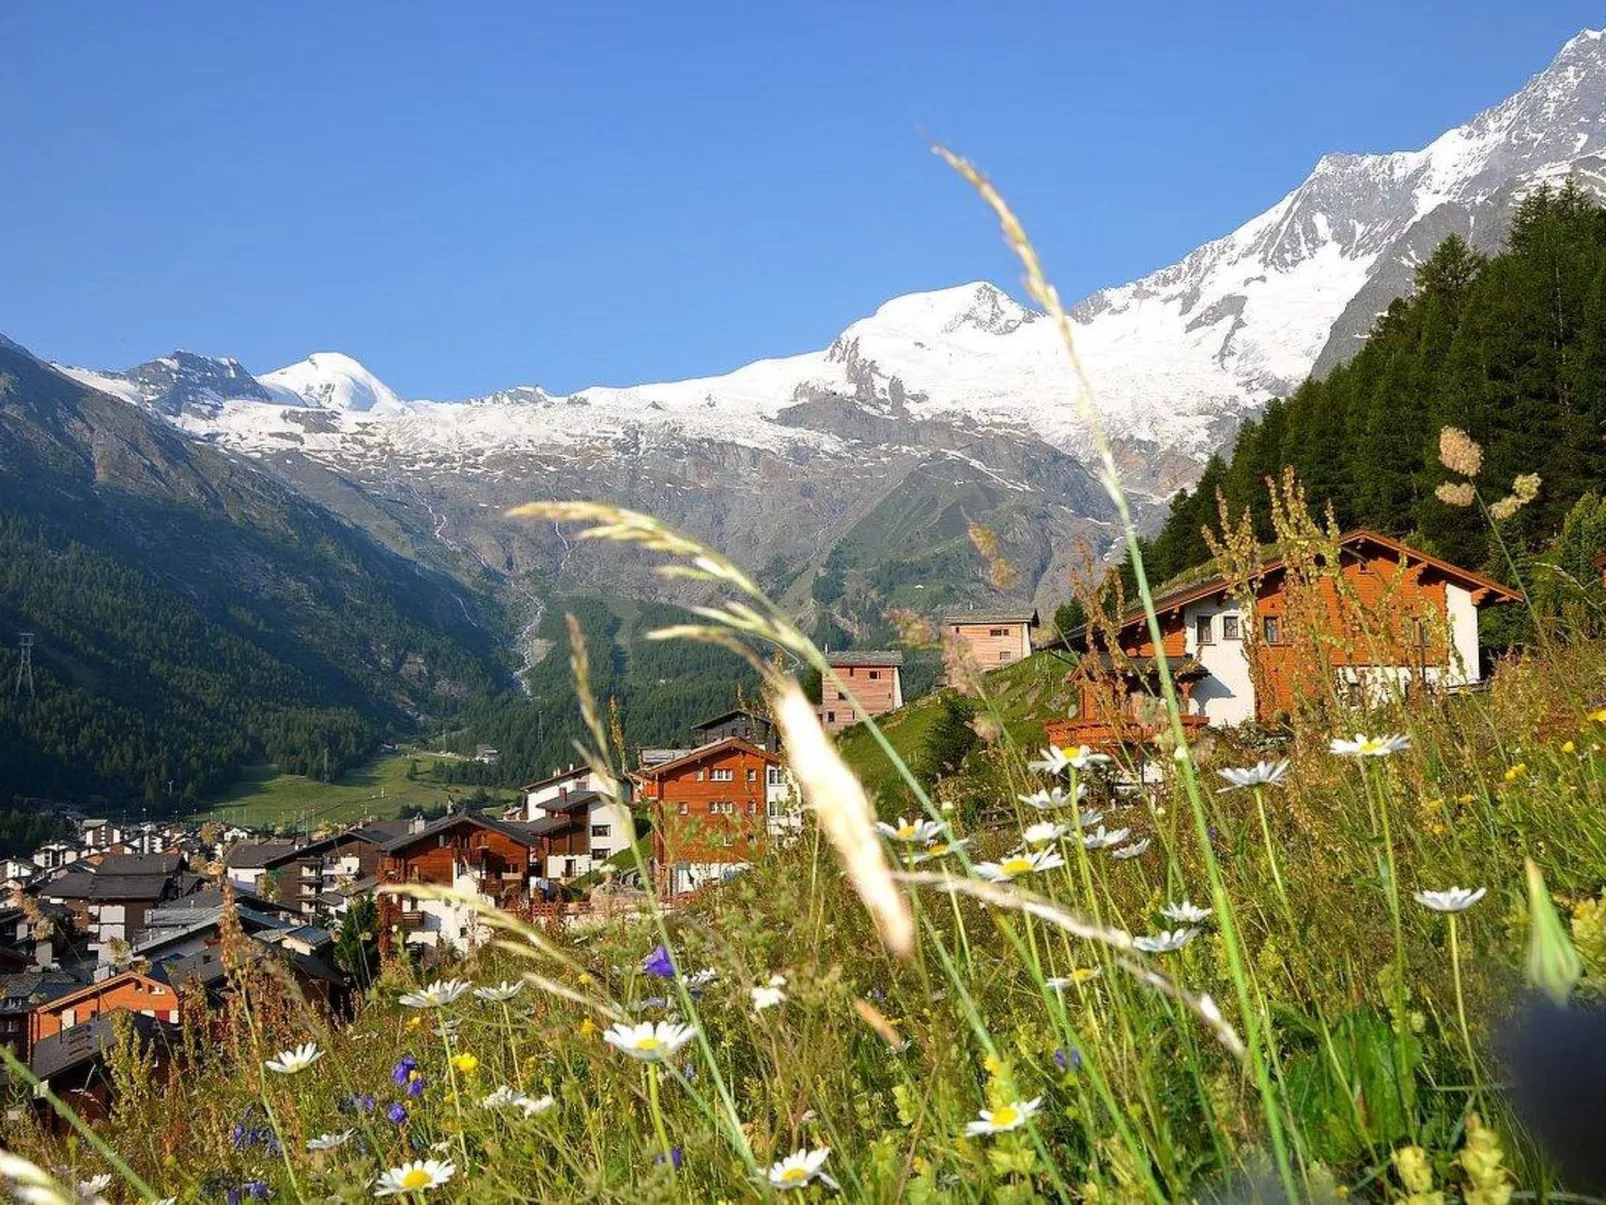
(1176, 360)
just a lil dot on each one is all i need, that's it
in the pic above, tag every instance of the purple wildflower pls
(674, 1157)
(415, 1087)
(404, 1069)
(1067, 1063)
(659, 963)
(397, 1112)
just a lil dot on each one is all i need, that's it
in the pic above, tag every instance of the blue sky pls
(467, 197)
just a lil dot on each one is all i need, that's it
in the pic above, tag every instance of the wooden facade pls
(1385, 617)
(874, 679)
(710, 806)
(129, 991)
(994, 638)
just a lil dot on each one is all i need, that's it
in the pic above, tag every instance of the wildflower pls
(649, 1042)
(418, 1176)
(910, 830)
(1415, 1171)
(328, 1142)
(766, 997)
(1514, 772)
(1370, 746)
(1456, 899)
(1044, 832)
(465, 1064)
(505, 1097)
(1523, 491)
(1067, 1062)
(437, 995)
(1089, 818)
(1568, 747)
(1048, 800)
(415, 1085)
(698, 980)
(397, 1113)
(1186, 913)
(659, 963)
(1166, 941)
(95, 1185)
(940, 850)
(674, 1158)
(29, 1181)
(502, 992)
(1016, 865)
(1457, 493)
(1004, 1118)
(403, 1071)
(1099, 839)
(1598, 716)
(1055, 760)
(1131, 851)
(1458, 452)
(1261, 774)
(587, 1027)
(801, 1168)
(291, 1061)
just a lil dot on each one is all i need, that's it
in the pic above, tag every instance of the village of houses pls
(128, 918)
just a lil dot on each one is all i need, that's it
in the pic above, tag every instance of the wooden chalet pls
(711, 810)
(873, 679)
(994, 638)
(1427, 608)
(495, 859)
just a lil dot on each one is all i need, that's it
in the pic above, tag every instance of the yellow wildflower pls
(588, 1027)
(1513, 771)
(465, 1063)
(414, 1021)
(1598, 716)
(1568, 747)
(1467, 800)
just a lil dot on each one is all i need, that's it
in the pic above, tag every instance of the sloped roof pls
(74, 885)
(139, 864)
(871, 657)
(1207, 580)
(129, 886)
(88, 1042)
(508, 828)
(714, 721)
(696, 755)
(250, 855)
(1026, 616)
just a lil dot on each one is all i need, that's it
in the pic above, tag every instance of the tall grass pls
(1239, 997)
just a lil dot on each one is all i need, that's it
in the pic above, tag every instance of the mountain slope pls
(191, 611)
(1177, 359)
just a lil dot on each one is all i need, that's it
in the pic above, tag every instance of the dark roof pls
(311, 935)
(516, 831)
(140, 864)
(20, 992)
(1146, 667)
(75, 885)
(88, 1042)
(205, 967)
(1028, 616)
(579, 801)
(250, 855)
(129, 886)
(714, 721)
(865, 657)
(552, 824)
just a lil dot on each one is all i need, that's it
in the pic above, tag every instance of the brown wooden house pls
(711, 810)
(994, 638)
(874, 680)
(494, 858)
(1387, 618)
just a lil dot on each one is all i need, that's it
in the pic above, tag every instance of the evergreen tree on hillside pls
(1512, 349)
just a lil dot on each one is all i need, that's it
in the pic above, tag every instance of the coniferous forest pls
(1509, 348)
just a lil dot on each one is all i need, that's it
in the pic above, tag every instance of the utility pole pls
(24, 668)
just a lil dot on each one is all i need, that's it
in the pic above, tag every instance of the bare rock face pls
(958, 401)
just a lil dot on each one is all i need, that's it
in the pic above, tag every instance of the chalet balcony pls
(1114, 734)
(410, 922)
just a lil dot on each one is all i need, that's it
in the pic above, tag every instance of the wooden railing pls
(1112, 734)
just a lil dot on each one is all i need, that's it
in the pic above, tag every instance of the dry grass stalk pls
(834, 795)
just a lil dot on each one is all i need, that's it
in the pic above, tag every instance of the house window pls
(699, 776)
(772, 775)
(1003, 655)
(998, 631)
(1271, 629)
(723, 775)
(683, 809)
(601, 830)
(830, 717)
(1204, 629)
(752, 774)
(1229, 627)
(875, 674)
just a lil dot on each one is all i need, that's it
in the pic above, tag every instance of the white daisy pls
(1090, 817)
(1016, 865)
(1045, 801)
(1261, 774)
(1185, 913)
(1456, 899)
(649, 1042)
(1165, 942)
(910, 830)
(328, 1142)
(1043, 832)
(766, 997)
(503, 991)
(437, 995)
(1052, 760)
(698, 980)
(1370, 746)
(1004, 1118)
(298, 1059)
(801, 1168)
(1059, 983)
(1131, 851)
(95, 1185)
(418, 1176)
(1100, 839)
(508, 1098)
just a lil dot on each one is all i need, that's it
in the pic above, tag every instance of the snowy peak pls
(332, 380)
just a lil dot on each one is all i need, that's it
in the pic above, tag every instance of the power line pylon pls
(24, 668)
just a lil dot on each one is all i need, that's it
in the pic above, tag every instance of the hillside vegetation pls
(191, 615)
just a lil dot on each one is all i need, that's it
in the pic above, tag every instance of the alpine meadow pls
(1149, 748)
